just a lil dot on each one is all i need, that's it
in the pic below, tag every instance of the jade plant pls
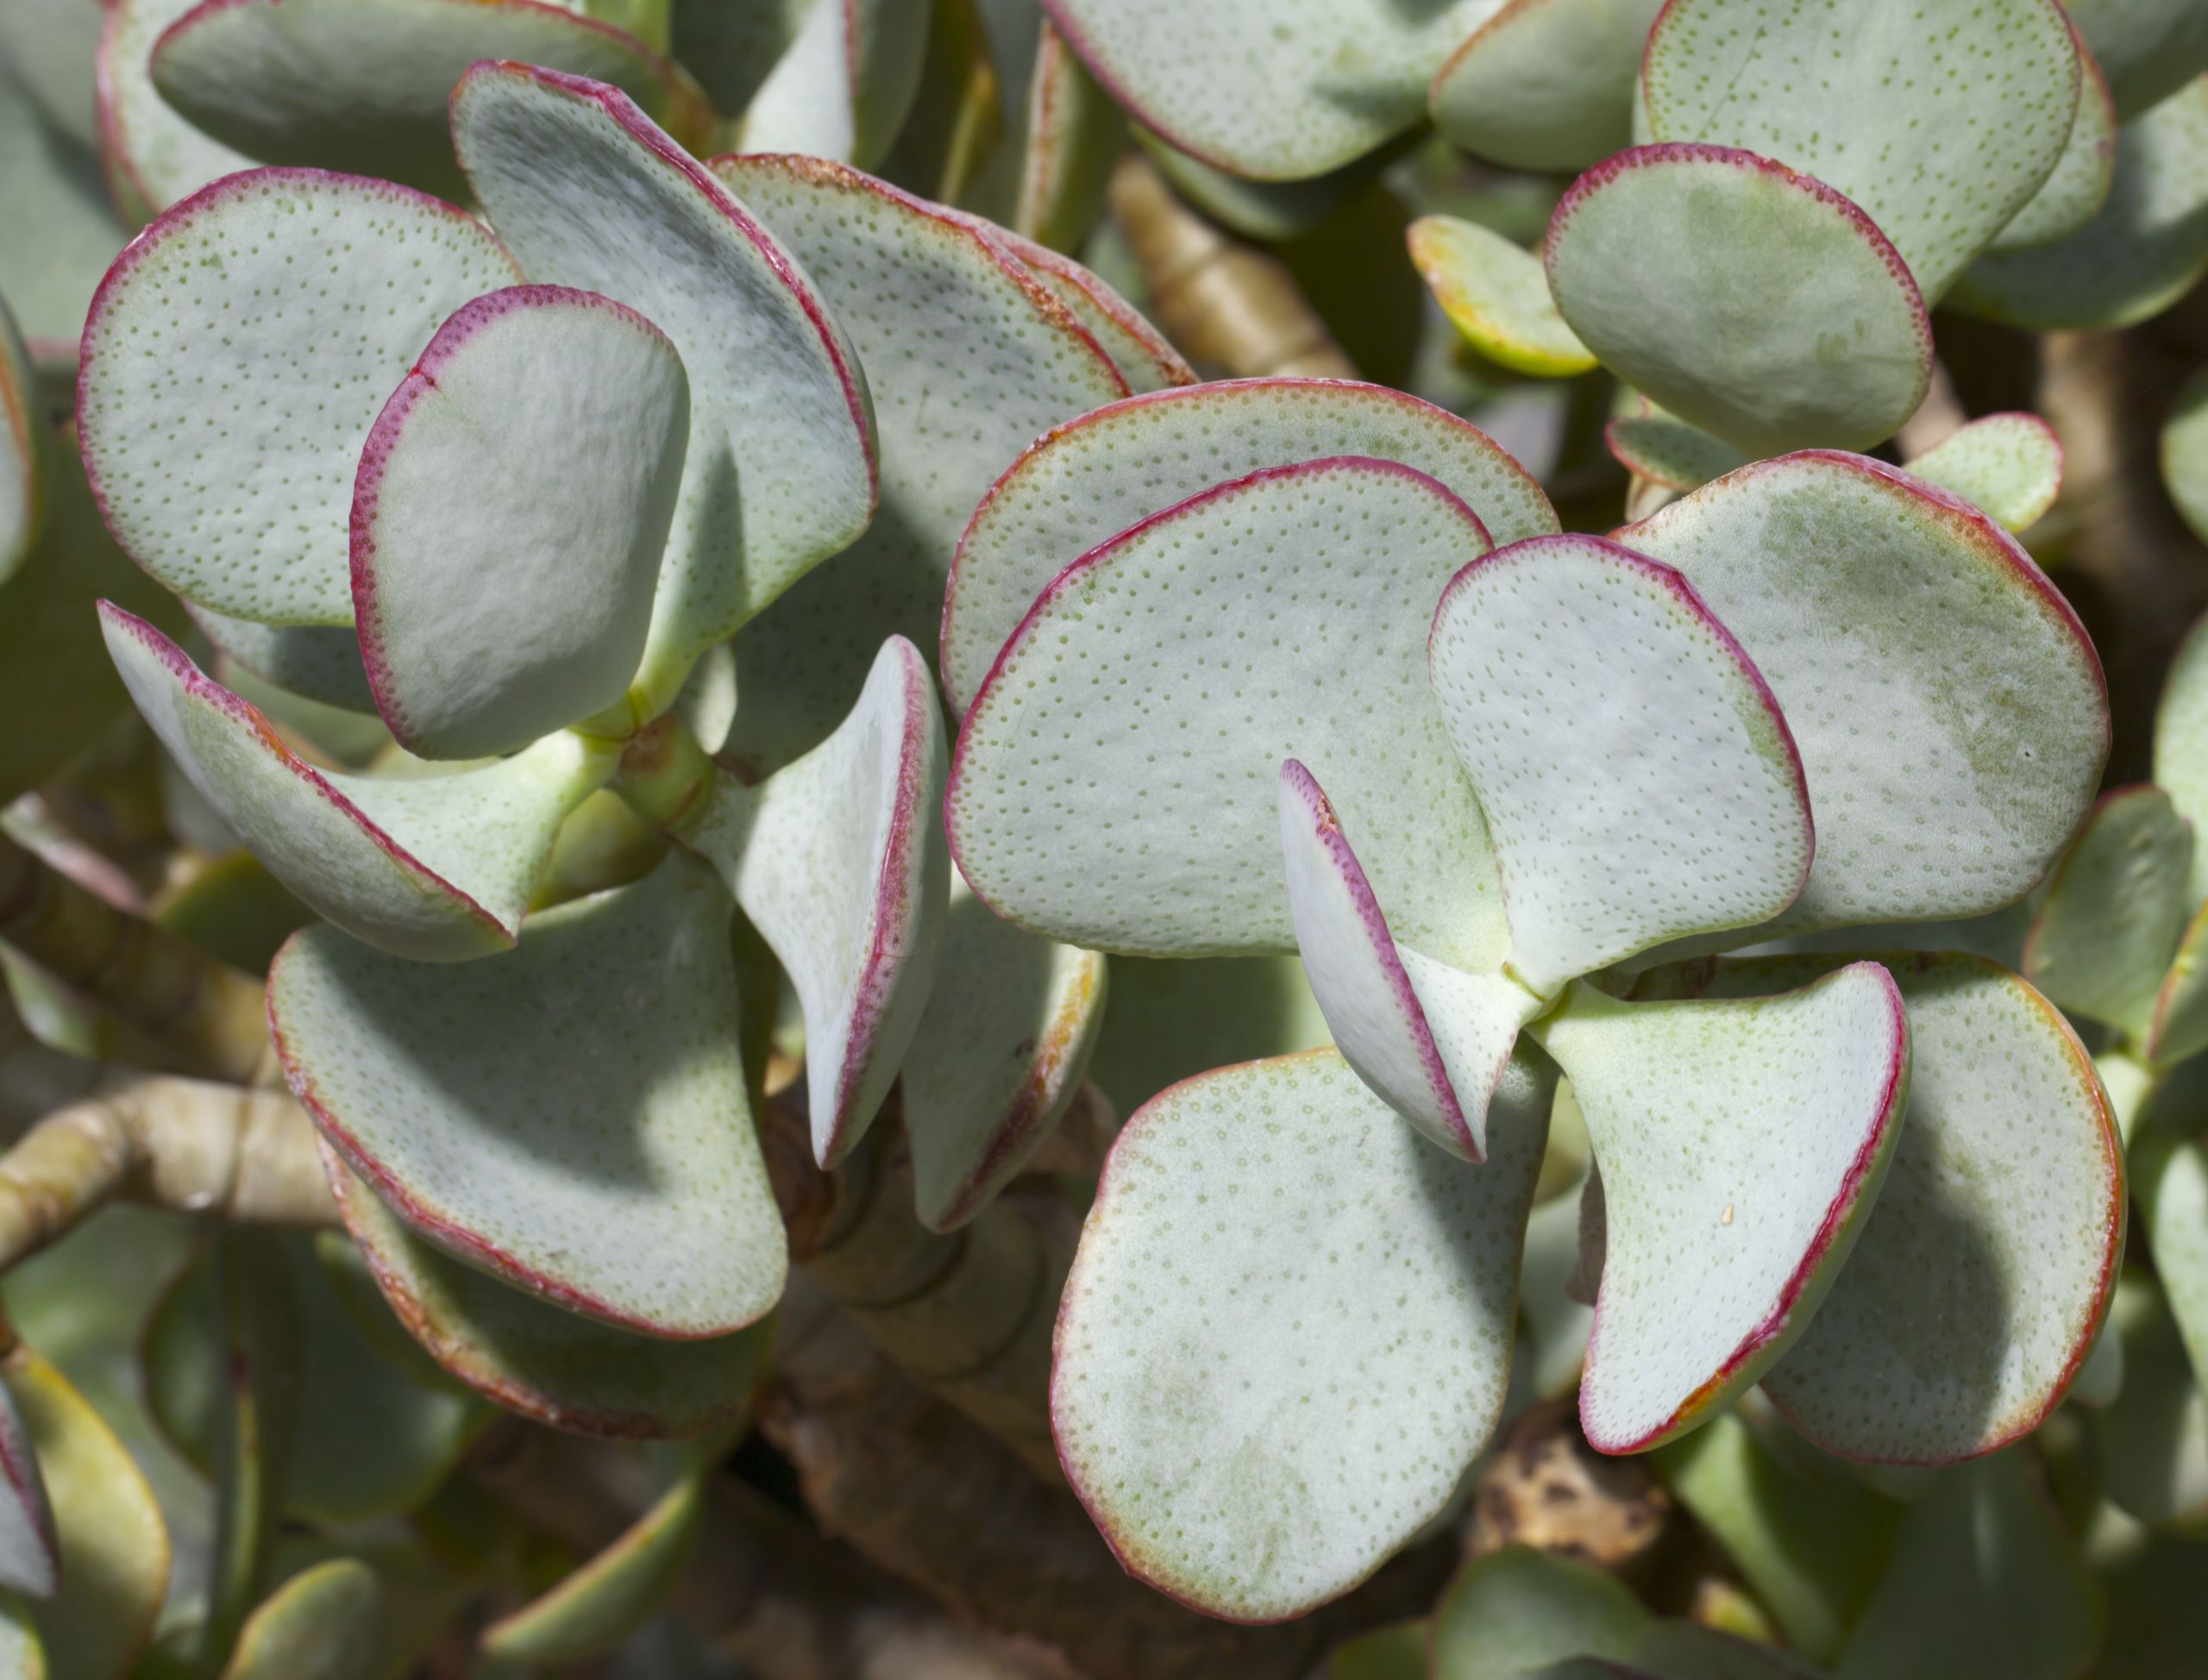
(733, 863)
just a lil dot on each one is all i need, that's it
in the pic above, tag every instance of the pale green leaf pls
(1546, 84)
(843, 89)
(2150, 48)
(154, 156)
(2115, 910)
(590, 1611)
(1497, 296)
(325, 1623)
(1516, 1611)
(2009, 465)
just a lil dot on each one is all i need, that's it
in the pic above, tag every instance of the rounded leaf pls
(1545, 84)
(153, 156)
(325, 1623)
(2148, 48)
(1664, 448)
(1497, 296)
(844, 87)
(2115, 911)
(319, 661)
(2010, 465)
(2079, 185)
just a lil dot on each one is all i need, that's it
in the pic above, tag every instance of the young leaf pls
(1545, 84)
(2010, 465)
(1432, 1041)
(1010, 1024)
(2072, 194)
(153, 156)
(1087, 480)
(541, 1360)
(1950, 710)
(1638, 780)
(320, 662)
(592, 1610)
(435, 869)
(1940, 119)
(1664, 448)
(2001, 1096)
(325, 1623)
(512, 503)
(362, 84)
(1740, 329)
(845, 85)
(587, 1140)
(1741, 1143)
(1512, 1612)
(1226, 1284)
(1275, 91)
(969, 356)
(1497, 296)
(780, 473)
(838, 860)
(30, 1553)
(1287, 609)
(26, 452)
(2115, 911)
(114, 1546)
(2146, 247)
(2148, 48)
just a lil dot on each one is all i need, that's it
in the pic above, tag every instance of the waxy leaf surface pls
(1511, 1612)
(235, 359)
(154, 157)
(2009, 465)
(1497, 295)
(320, 662)
(50, 181)
(2075, 190)
(1546, 84)
(843, 87)
(2115, 911)
(512, 503)
(1741, 1144)
(1089, 481)
(1664, 448)
(571, 1116)
(437, 868)
(1286, 1333)
(2148, 49)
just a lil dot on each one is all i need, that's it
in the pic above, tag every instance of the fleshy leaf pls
(839, 861)
(1950, 710)
(1091, 479)
(1497, 296)
(1074, 133)
(325, 1623)
(591, 1144)
(1940, 119)
(22, 1654)
(1515, 1611)
(1141, 352)
(1258, 1233)
(114, 1544)
(1984, 1579)
(1432, 1041)
(320, 662)
(235, 358)
(154, 157)
(590, 1611)
(539, 1360)
(2185, 453)
(1289, 609)
(1741, 1144)
(969, 356)
(2148, 48)
(2072, 195)
(587, 192)
(2179, 1028)
(2115, 911)
(362, 84)
(1689, 1651)
(2007, 1185)
(1010, 1024)
(2010, 465)
(26, 451)
(511, 506)
(50, 182)
(843, 87)
(1664, 448)
(1786, 319)
(2169, 1178)
(2182, 744)
(30, 1554)
(1638, 780)
(2153, 1435)
(2147, 248)
(1545, 84)
(437, 868)
(1275, 89)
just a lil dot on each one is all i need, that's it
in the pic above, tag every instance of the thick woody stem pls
(208, 1018)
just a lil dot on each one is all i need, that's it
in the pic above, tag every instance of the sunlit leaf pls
(1497, 296)
(844, 87)
(2010, 465)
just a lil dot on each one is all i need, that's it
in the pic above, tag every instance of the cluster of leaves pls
(614, 514)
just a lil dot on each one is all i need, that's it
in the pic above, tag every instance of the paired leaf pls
(1950, 709)
(1092, 479)
(233, 361)
(2010, 465)
(839, 863)
(1432, 1041)
(590, 1142)
(1638, 780)
(433, 869)
(969, 355)
(325, 1623)
(512, 503)
(1010, 1025)
(1741, 1143)
(845, 85)
(1497, 296)
(1270, 89)
(587, 192)
(1288, 610)
(1939, 119)
(1286, 1332)
(539, 1360)
(1545, 84)
(2115, 911)
(154, 157)
(362, 84)
(1785, 319)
